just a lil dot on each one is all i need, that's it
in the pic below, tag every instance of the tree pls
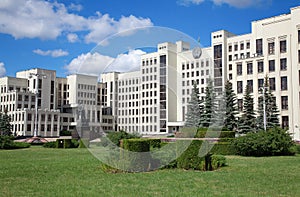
(194, 109)
(5, 126)
(271, 108)
(248, 119)
(230, 107)
(209, 105)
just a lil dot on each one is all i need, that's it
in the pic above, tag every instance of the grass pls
(75, 172)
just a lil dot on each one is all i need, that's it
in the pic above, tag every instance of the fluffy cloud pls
(49, 20)
(53, 53)
(2, 69)
(72, 38)
(233, 3)
(97, 63)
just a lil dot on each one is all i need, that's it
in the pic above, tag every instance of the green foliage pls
(116, 137)
(6, 142)
(190, 158)
(209, 105)
(230, 107)
(223, 148)
(274, 142)
(272, 112)
(136, 145)
(84, 143)
(65, 133)
(155, 143)
(50, 145)
(298, 148)
(218, 161)
(201, 133)
(247, 122)
(194, 109)
(5, 126)
(66, 143)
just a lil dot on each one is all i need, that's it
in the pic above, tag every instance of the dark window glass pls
(272, 84)
(239, 87)
(240, 104)
(259, 46)
(283, 64)
(285, 121)
(249, 68)
(284, 85)
(260, 83)
(271, 65)
(239, 69)
(284, 103)
(260, 67)
(282, 46)
(250, 85)
(271, 48)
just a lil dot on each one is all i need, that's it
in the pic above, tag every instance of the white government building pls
(153, 100)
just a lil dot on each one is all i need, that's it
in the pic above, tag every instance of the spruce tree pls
(230, 121)
(209, 105)
(194, 109)
(248, 119)
(272, 112)
(5, 126)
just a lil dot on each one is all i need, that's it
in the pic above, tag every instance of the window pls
(250, 85)
(283, 65)
(271, 65)
(230, 48)
(285, 121)
(260, 83)
(272, 84)
(259, 46)
(298, 35)
(239, 87)
(284, 83)
(239, 69)
(282, 46)
(248, 45)
(298, 56)
(284, 103)
(230, 57)
(230, 76)
(235, 47)
(230, 66)
(242, 46)
(249, 68)
(260, 67)
(271, 48)
(240, 104)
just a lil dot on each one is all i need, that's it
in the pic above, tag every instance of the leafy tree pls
(248, 119)
(5, 126)
(209, 105)
(230, 107)
(271, 108)
(194, 110)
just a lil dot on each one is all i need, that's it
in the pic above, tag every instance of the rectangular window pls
(230, 76)
(235, 47)
(284, 103)
(230, 57)
(248, 45)
(242, 46)
(284, 85)
(260, 83)
(239, 87)
(283, 63)
(230, 66)
(250, 85)
(260, 67)
(239, 69)
(271, 65)
(259, 46)
(272, 84)
(298, 35)
(240, 105)
(230, 48)
(271, 48)
(249, 68)
(285, 122)
(282, 46)
(298, 56)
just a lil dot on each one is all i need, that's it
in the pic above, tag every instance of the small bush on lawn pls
(18, 145)
(6, 142)
(298, 148)
(223, 148)
(274, 142)
(218, 161)
(50, 145)
(116, 137)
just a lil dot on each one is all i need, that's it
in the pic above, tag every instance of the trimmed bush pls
(190, 159)
(6, 142)
(218, 161)
(201, 133)
(155, 143)
(64, 143)
(274, 142)
(18, 145)
(50, 145)
(223, 148)
(116, 137)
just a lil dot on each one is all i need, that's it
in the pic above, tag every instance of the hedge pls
(6, 142)
(214, 134)
(223, 148)
(66, 143)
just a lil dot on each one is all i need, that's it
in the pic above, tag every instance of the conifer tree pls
(5, 126)
(209, 105)
(271, 108)
(230, 121)
(194, 109)
(248, 120)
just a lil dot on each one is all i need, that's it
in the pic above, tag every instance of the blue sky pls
(61, 34)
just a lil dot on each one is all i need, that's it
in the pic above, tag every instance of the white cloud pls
(2, 69)
(97, 63)
(75, 7)
(233, 3)
(53, 53)
(49, 20)
(72, 38)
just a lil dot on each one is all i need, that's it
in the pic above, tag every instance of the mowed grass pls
(75, 172)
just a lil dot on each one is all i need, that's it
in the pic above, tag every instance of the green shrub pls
(6, 142)
(65, 133)
(218, 161)
(84, 143)
(50, 145)
(190, 157)
(298, 148)
(116, 137)
(66, 143)
(154, 143)
(274, 142)
(201, 133)
(223, 148)
(18, 145)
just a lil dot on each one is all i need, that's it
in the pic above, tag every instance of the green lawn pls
(75, 172)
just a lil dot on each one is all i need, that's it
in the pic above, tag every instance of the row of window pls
(236, 46)
(187, 66)
(149, 78)
(128, 82)
(86, 95)
(149, 70)
(86, 87)
(260, 82)
(149, 62)
(128, 97)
